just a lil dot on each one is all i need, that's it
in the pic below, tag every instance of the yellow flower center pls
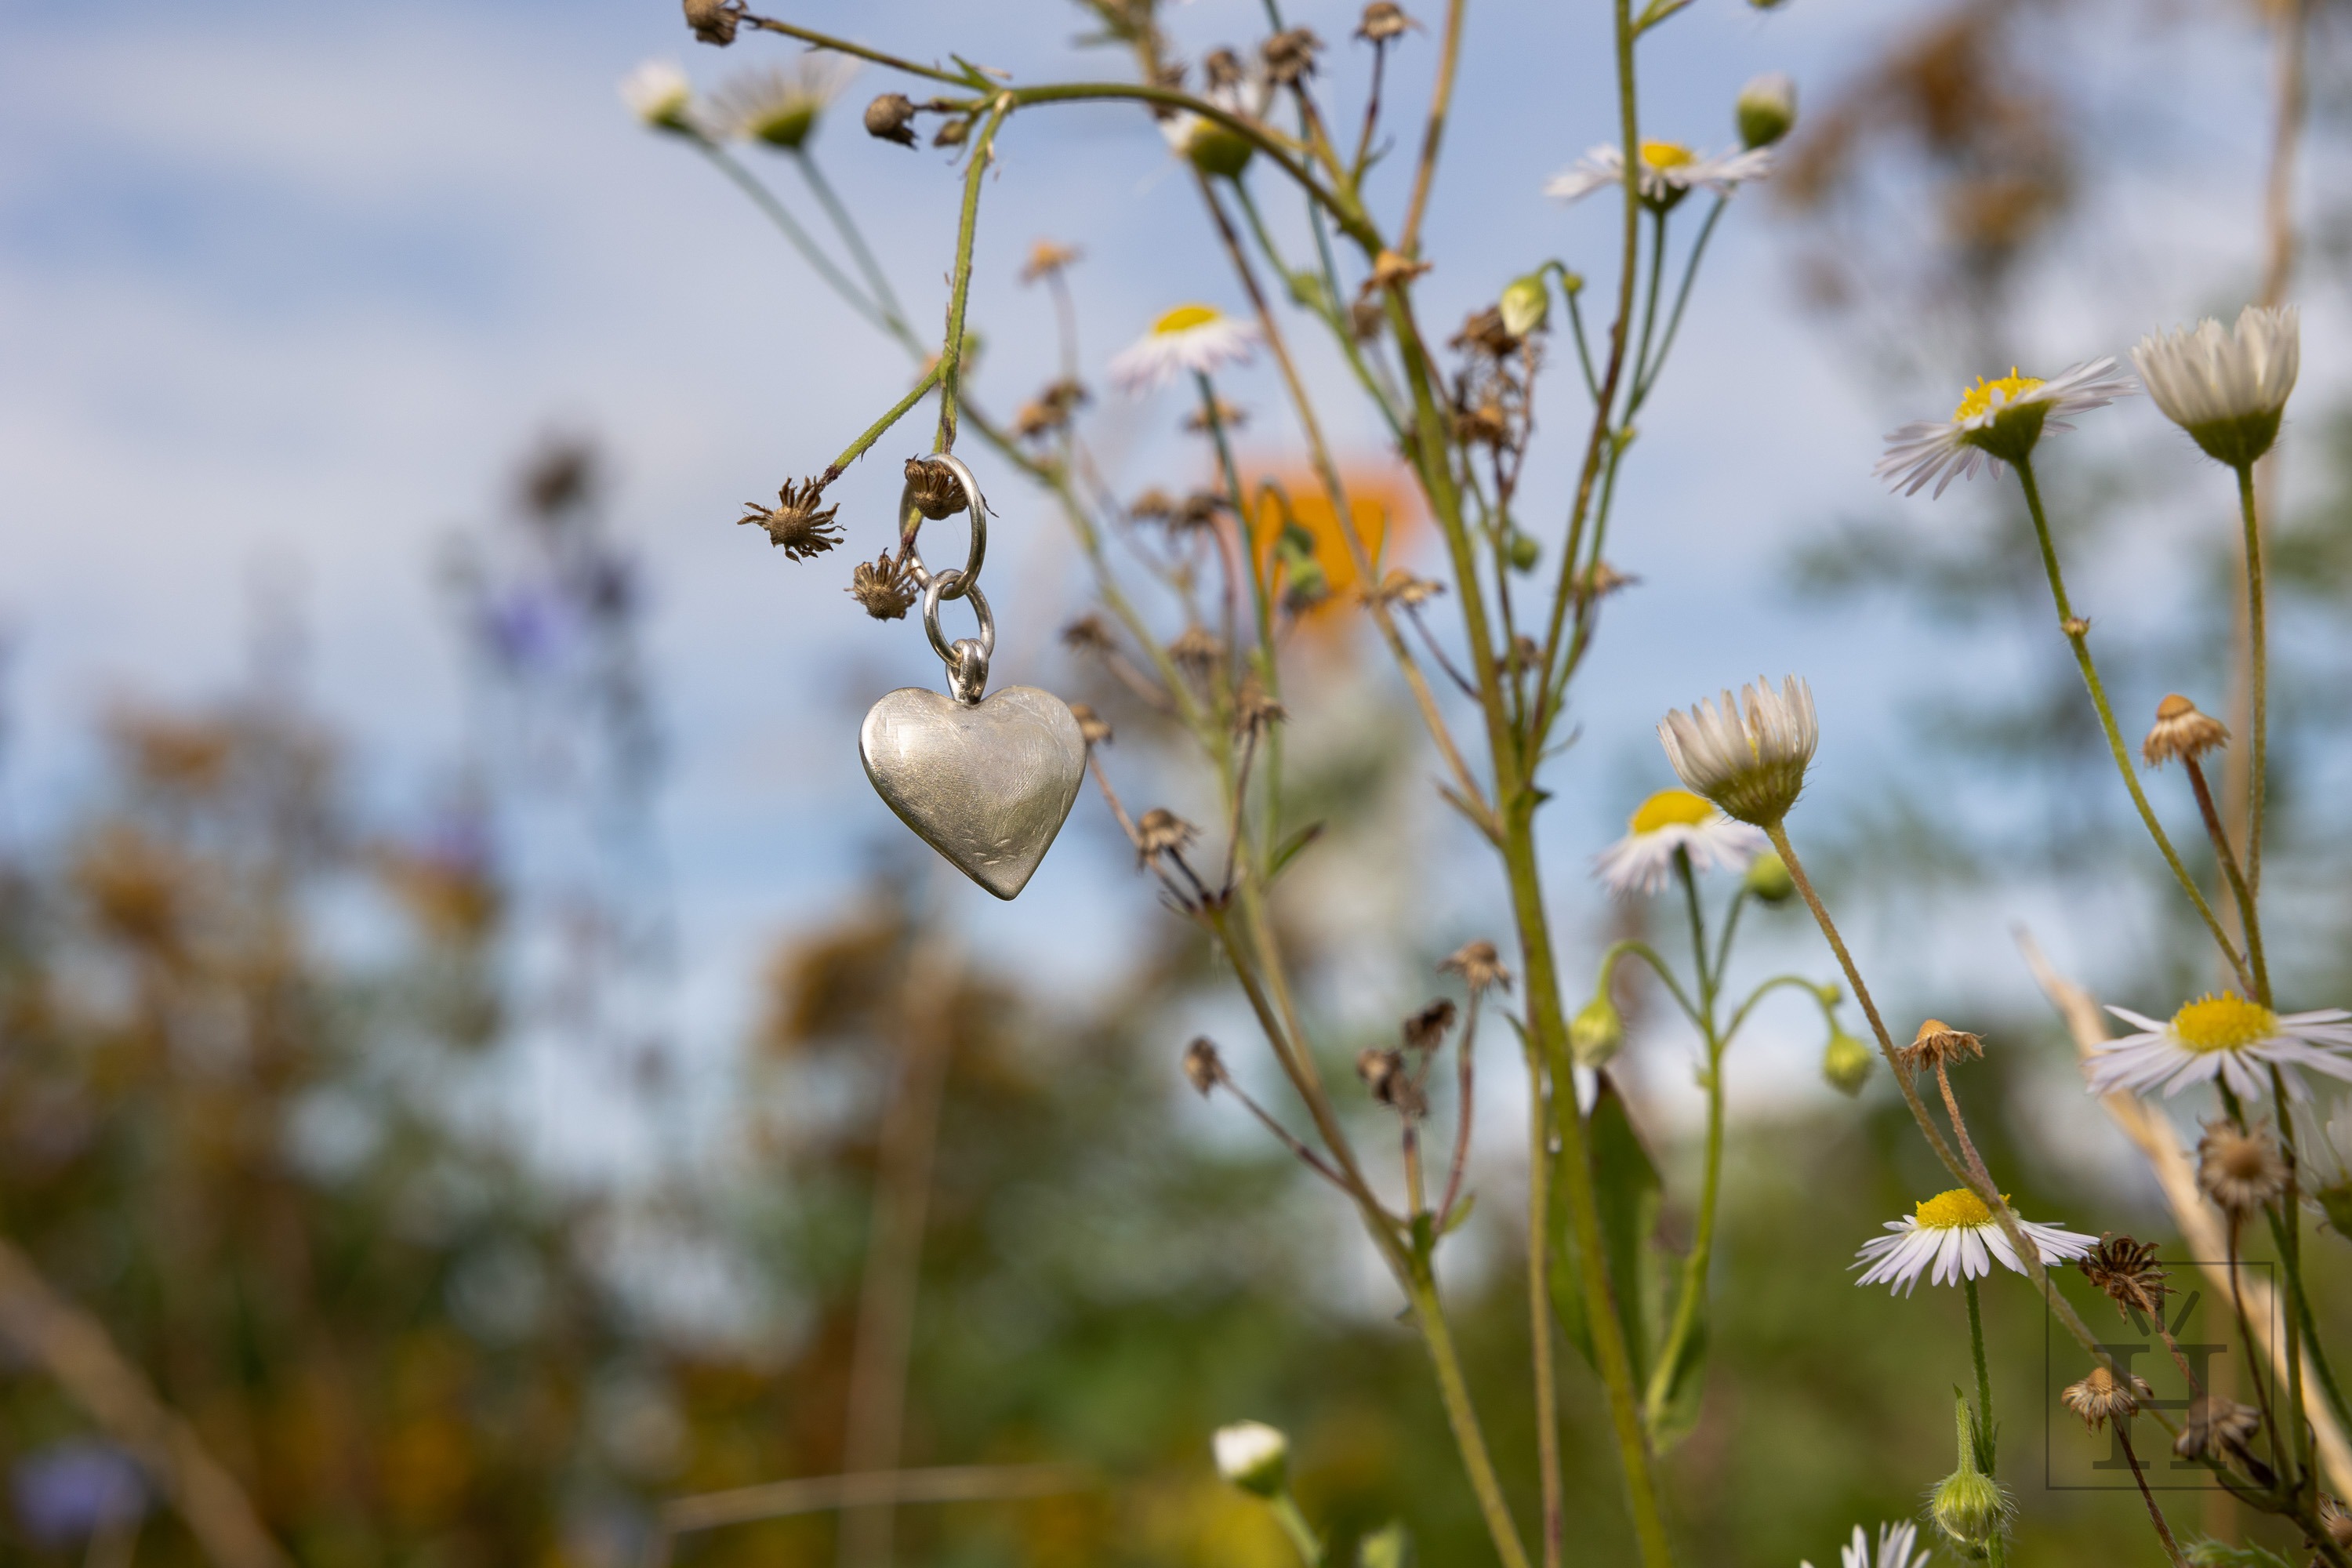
(2224, 1023)
(1671, 808)
(1986, 394)
(1959, 1209)
(1666, 154)
(1183, 319)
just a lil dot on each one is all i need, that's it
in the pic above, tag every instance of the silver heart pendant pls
(987, 783)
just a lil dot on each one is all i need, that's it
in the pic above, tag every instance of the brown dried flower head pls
(795, 524)
(1289, 56)
(1366, 318)
(1483, 332)
(1229, 415)
(2215, 1427)
(1485, 426)
(2127, 1271)
(1222, 69)
(1600, 579)
(932, 488)
(1401, 587)
(1047, 258)
(884, 588)
(2181, 733)
(2335, 1518)
(1479, 964)
(1093, 727)
(1256, 709)
(1937, 1045)
(1161, 831)
(1200, 509)
(1389, 269)
(1384, 1074)
(1197, 649)
(1154, 505)
(1203, 1068)
(1425, 1030)
(890, 118)
(2240, 1170)
(2101, 1397)
(1087, 633)
(1383, 20)
(714, 21)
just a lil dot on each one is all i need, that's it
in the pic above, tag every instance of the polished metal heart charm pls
(987, 783)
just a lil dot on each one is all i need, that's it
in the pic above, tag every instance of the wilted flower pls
(1937, 1045)
(1767, 109)
(1194, 339)
(1253, 1457)
(932, 488)
(2228, 392)
(714, 21)
(1748, 754)
(2223, 1037)
(1996, 422)
(659, 94)
(2181, 733)
(2240, 1170)
(1197, 648)
(1383, 20)
(884, 588)
(795, 524)
(1093, 727)
(1669, 172)
(1289, 56)
(1479, 964)
(2215, 1427)
(1203, 1068)
(2100, 1397)
(890, 119)
(1161, 831)
(1670, 823)
(1956, 1233)
(781, 107)
(2127, 1271)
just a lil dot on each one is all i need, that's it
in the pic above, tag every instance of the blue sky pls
(285, 288)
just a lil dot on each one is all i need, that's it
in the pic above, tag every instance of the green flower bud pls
(1526, 305)
(1768, 878)
(1525, 551)
(1387, 1547)
(1766, 110)
(1595, 1033)
(1968, 1505)
(1214, 150)
(1847, 1062)
(2336, 1202)
(1253, 1457)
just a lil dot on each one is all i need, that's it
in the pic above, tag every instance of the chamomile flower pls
(1668, 172)
(1997, 421)
(2223, 1037)
(1748, 754)
(659, 94)
(1897, 1547)
(2226, 390)
(1957, 1234)
(1190, 338)
(1672, 821)
(781, 107)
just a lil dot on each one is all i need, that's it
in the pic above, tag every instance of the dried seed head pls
(1047, 258)
(2241, 1171)
(1600, 579)
(1401, 587)
(1222, 69)
(1197, 649)
(1388, 269)
(1366, 317)
(1161, 831)
(1425, 1030)
(1483, 331)
(2101, 1397)
(795, 524)
(1384, 1074)
(932, 488)
(2337, 1519)
(714, 21)
(1383, 20)
(2128, 1272)
(1479, 964)
(1255, 708)
(1154, 505)
(888, 119)
(883, 586)
(1087, 633)
(2215, 1427)
(1937, 1045)
(1051, 410)
(1484, 425)
(2181, 733)
(1289, 56)
(1230, 416)
(1093, 727)
(1204, 1068)
(1200, 509)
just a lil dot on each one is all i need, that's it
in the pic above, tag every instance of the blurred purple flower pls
(66, 1491)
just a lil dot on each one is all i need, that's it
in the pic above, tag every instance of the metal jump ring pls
(968, 580)
(951, 584)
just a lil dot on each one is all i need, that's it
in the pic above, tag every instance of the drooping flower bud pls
(1768, 878)
(1526, 305)
(1766, 110)
(1253, 1457)
(1597, 1032)
(1847, 1062)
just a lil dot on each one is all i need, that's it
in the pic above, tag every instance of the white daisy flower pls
(1672, 821)
(657, 93)
(1996, 421)
(1748, 755)
(2225, 1036)
(1669, 172)
(1190, 339)
(781, 107)
(1895, 1549)
(1253, 1455)
(2227, 391)
(1955, 1232)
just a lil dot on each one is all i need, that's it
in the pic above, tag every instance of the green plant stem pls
(2077, 634)
(1700, 1261)
(976, 162)
(1287, 1514)
(1778, 981)
(876, 431)
(826, 41)
(1541, 1348)
(789, 226)
(859, 252)
(1453, 1390)
(1986, 1442)
(2154, 1514)
(2249, 917)
(2286, 1224)
(1658, 966)
(2258, 676)
(1644, 381)
(1440, 97)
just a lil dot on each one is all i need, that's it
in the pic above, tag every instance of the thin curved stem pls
(2258, 676)
(1440, 98)
(876, 431)
(799, 237)
(960, 286)
(1649, 955)
(859, 252)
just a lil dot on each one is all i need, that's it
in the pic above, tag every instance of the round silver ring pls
(968, 580)
(951, 584)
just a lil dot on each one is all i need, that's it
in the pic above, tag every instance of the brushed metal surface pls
(988, 787)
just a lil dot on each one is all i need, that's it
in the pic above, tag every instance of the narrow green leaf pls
(1291, 846)
(1626, 1189)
